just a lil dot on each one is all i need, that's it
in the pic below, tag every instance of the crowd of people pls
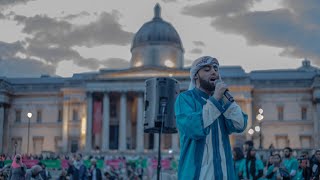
(81, 167)
(249, 165)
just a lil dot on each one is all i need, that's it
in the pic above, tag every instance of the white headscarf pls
(197, 65)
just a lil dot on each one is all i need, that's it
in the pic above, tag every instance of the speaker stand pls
(159, 156)
(163, 105)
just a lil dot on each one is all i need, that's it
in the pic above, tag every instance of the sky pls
(63, 37)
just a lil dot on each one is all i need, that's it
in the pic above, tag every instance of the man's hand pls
(220, 88)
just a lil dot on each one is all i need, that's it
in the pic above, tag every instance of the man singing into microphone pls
(205, 119)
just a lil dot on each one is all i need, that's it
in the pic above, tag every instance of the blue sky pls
(65, 37)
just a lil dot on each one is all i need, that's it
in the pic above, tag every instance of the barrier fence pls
(115, 163)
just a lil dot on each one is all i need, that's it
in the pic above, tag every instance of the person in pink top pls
(18, 169)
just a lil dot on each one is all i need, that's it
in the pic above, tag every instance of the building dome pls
(154, 41)
(156, 31)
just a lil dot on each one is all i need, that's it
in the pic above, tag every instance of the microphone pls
(226, 92)
(228, 95)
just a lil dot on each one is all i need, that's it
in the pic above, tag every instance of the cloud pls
(8, 50)
(4, 3)
(52, 40)
(169, 1)
(199, 43)
(2, 16)
(218, 8)
(196, 51)
(18, 67)
(188, 62)
(295, 27)
(115, 63)
(74, 16)
(105, 30)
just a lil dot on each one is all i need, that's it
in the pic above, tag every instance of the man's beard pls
(287, 155)
(206, 85)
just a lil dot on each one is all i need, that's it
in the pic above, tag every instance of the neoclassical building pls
(105, 109)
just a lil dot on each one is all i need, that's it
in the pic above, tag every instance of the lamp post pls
(15, 147)
(29, 118)
(259, 128)
(251, 131)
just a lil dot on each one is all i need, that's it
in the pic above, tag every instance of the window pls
(74, 146)
(113, 109)
(75, 115)
(282, 141)
(59, 115)
(39, 116)
(16, 143)
(304, 113)
(18, 116)
(38, 144)
(280, 113)
(305, 141)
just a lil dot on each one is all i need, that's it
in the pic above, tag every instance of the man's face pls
(207, 76)
(303, 163)
(287, 153)
(276, 159)
(318, 156)
(78, 157)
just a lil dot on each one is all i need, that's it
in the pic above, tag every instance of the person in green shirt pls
(239, 161)
(253, 167)
(290, 162)
(304, 171)
(277, 170)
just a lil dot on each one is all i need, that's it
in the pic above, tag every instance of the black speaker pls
(160, 96)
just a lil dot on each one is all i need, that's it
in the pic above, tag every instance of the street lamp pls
(251, 131)
(29, 118)
(15, 147)
(259, 128)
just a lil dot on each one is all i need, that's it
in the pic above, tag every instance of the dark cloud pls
(46, 30)
(188, 62)
(169, 1)
(2, 16)
(74, 16)
(52, 39)
(8, 50)
(218, 8)
(115, 63)
(196, 51)
(17, 67)
(4, 3)
(295, 27)
(199, 43)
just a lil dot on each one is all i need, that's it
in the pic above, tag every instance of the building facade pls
(105, 110)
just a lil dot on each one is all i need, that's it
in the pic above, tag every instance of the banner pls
(52, 163)
(116, 163)
(97, 117)
(64, 164)
(29, 163)
(100, 164)
(165, 163)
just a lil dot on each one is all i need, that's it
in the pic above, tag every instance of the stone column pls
(106, 122)
(123, 117)
(65, 123)
(317, 125)
(1, 127)
(140, 136)
(175, 142)
(89, 123)
(316, 118)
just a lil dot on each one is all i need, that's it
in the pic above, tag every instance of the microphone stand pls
(163, 106)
